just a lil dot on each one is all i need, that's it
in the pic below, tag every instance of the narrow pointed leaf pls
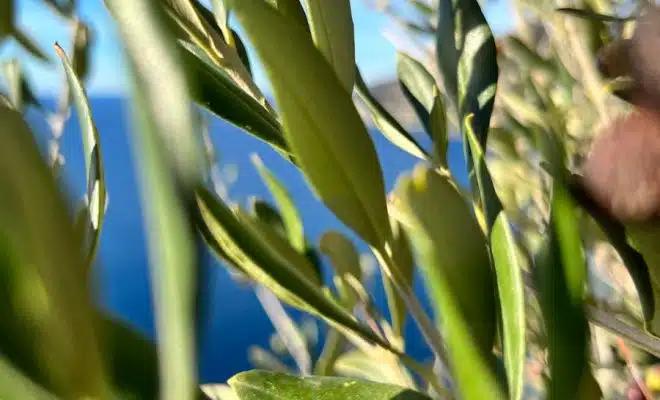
(50, 295)
(417, 84)
(273, 263)
(284, 201)
(561, 274)
(438, 130)
(454, 259)
(96, 192)
(508, 270)
(467, 59)
(266, 385)
(331, 24)
(15, 385)
(169, 155)
(386, 123)
(322, 126)
(29, 45)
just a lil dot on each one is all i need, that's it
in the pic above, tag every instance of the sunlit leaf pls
(96, 192)
(508, 270)
(41, 260)
(561, 269)
(454, 260)
(216, 91)
(322, 126)
(331, 24)
(284, 201)
(169, 155)
(386, 123)
(467, 59)
(419, 87)
(265, 385)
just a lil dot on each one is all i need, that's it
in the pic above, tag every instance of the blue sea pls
(235, 319)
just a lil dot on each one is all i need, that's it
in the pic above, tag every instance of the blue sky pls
(375, 55)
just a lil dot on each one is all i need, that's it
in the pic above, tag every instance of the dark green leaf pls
(467, 59)
(331, 24)
(96, 192)
(386, 123)
(265, 385)
(268, 215)
(217, 92)
(28, 44)
(561, 274)
(322, 126)
(169, 155)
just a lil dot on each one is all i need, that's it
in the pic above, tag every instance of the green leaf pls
(96, 192)
(214, 90)
(593, 16)
(561, 274)
(508, 270)
(197, 25)
(331, 24)
(467, 59)
(15, 385)
(386, 123)
(281, 196)
(292, 9)
(454, 260)
(345, 261)
(265, 385)
(322, 126)
(29, 45)
(7, 10)
(20, 92)
(438, 130)
(82, 44)
(419, 86)
(268, 214)
(169, 156)
(49, 299)
(271, 261)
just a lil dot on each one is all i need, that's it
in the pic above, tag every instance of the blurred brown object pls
(622, 171)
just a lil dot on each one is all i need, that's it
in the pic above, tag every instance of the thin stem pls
(413, 305)
(285, 327)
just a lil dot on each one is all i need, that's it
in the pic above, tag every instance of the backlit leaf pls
(322, 127)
